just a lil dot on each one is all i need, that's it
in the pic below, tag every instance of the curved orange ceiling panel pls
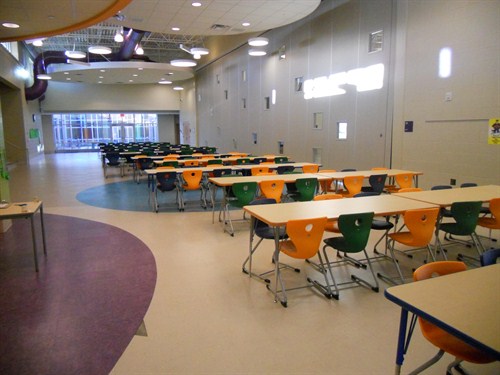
(44, 19)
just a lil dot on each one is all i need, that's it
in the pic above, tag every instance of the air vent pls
(217, 26)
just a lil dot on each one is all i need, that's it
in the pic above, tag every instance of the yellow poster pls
(494, 131)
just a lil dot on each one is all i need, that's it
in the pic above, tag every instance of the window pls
(376, 41)
(341, 130)
(79, 131)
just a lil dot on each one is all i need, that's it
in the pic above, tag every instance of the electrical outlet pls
(453, 182)
(448, 96)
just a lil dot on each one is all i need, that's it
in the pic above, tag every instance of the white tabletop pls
(230, 180)
(381, 205)
(274, 165)
(446, 197)
(367, 173)
(464, 303)
(15, 209)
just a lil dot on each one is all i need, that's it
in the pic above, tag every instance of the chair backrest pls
(282, 169)
(244, 192)
(494, 207)
(489, 257)
(259, 160)
(307, 188)
(214, 161)
(353, 184)
(404, 180)
(306, 236)
(466, 215)
(441, 187)
(241, 161)
(191, 163)
(170, 163)
(379, 169)
(259, 170)
(348, 170)
(310, 168)
(440, 268)
(192, 179)
(113, 158)
(377, 182)
(166, 181)
(219, 172)
(366, 194)
(145, 163)
(421, 224)
(409, 190)
(468, 184)
(272, 189)
(355, 229)
(260, 223)
(280, 159)
(324, 197)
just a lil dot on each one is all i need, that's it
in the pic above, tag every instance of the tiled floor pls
(207, 317)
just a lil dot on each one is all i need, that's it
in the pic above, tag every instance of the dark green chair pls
(355, 230)
(242, 194)
(466, 215)
(306, 189)
(242, 161)
(280, 159)
(170, 163)
(214, 161)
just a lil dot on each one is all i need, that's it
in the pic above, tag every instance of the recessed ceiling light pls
(196, 4)
(170, 74)
(165, 82)
(66, 73)
(256, 52)
(175, 29)
(99, 82)
(75, 54)
(68, 79)
(101, 77)
(258, 42)
(178, 88)
(38, 42)
(245, 24)
(100, 50)
(131, 80)
(140, 68)
(183, 63)
(135, 75)
(10, 25)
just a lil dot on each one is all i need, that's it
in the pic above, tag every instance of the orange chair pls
(310, 168)
(409, 190)
(446, 342)
(403, 180)
(191, 163)
(330, 226)
(492, 222)
(353, 184)
(257, 170)
(272, 189)
(191, 180)
(326, 185)
(421, 224)
(304, 238)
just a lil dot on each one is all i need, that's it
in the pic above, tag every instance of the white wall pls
(78, 97)
(449, 138)
(166, 128)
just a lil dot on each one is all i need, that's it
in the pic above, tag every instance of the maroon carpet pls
(79, 313)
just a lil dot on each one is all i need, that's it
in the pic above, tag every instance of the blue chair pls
(489, 257)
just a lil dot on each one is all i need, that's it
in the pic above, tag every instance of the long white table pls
(277, 215)
(465, 304)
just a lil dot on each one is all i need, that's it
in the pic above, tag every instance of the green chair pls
(214, 161)
(242, 161)
(280, 159)
(466, 215)
(242, 194)
(306, 189)
(355, 229)
(170, 163)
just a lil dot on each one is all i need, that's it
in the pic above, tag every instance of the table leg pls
(33, 236)
(401, 341)
(43, 230)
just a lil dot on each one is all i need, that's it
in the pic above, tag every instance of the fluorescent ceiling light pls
(100, 50)
(183, 63)
(258, 42)
(44, 77)
(75, 54)
(245, 24)
(10, 25)
(256, 52)
(178, 88)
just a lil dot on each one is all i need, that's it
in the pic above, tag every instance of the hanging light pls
(38, 42)
(139, 50)
(256, 52)
(75, 54)
(178, 88)
(183, 63)
(100, 50)
(258, 42)
(197, 52)
(119, 35)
